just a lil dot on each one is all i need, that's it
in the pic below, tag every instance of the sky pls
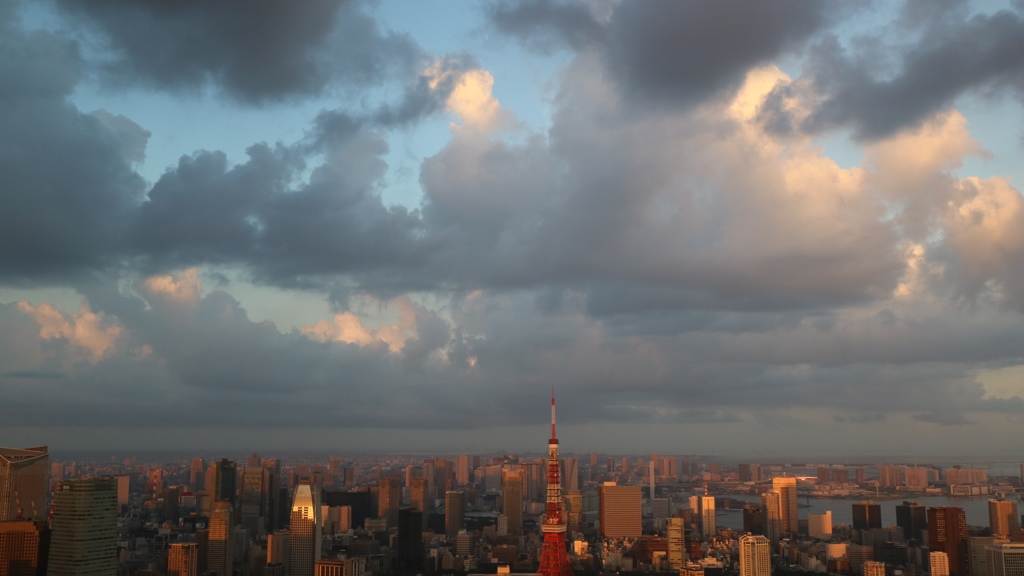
(766, 229)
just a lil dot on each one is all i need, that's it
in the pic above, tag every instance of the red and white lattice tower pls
(553, 558)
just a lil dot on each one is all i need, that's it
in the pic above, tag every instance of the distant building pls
(676, 543)
(910, 516)
(771, 514)
(220, 552)
(708, 519)
(786, 487)
(390, 499)
(454, 512)
(182, 559)
(1002, 517)
(512, 499)
(872, 568)
(305, 532)
(755, 556)
(83, 540)
(819, 525)
(867, 515)
(947, 532)
(620, 511)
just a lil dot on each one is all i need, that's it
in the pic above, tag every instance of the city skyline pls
(774, 231)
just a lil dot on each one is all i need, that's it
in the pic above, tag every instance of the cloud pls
(255, 53)
(947, 57)
(93, 332)
(668, 53)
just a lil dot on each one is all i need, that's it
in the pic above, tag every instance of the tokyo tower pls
(553, 559)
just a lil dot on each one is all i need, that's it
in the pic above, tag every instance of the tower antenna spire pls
(553, 435)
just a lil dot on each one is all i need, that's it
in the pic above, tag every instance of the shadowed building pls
(84, 531)
(947, 532)
(24, 483)
(867, 515)
(912, 518)
(23, 547)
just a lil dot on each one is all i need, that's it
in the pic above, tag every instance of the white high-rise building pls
(708, 520)
(938, 564)
(819, 525)
(305, 532)
(755, 556)
(1006, 559)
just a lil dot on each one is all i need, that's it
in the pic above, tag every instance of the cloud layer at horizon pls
(675, 249)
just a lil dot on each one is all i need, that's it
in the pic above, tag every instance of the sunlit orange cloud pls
(85, 329)
(985, 225)
(472, 100)
(348, 327)
(183, 287)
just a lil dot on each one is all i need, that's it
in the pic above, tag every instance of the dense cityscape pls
(501, 514)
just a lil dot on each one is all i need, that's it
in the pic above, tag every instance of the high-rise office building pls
(278, 549)
(912, 518)
(250, 500)
(820, 525)
(570, 474)
(304, 541)
(771, 514)
(221, 479)
(1002, 517)
(889, 476)
(454, 512)
(553, 558)
(410, 541)
(23, 548)
(389, 499)
(83, 540)
(219, 551)
(1006, 559)
(867, 515)
(512, 499)
(182, 559)
(270, 496)
(755, 556)
(461, 470)
(418, 498)
(977, 554)
(573, 511)
(676, 533)
(753, 519)
(24, 483)
(620, 511)
(708, 519)
(786, 487)
(947, 532)
(195, 476)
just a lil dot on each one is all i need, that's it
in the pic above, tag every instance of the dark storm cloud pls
(670, 52)
(547, 25)
(254, 51)
(949, 57)
(66, 177)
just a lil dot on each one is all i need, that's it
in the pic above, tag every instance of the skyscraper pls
(304, 542)
(221, 479)
(182, 559)
(938, 564)
(553, 558)
(676, 543)
(708, 520)
(947, 532)
(512, 499)
(786, 487)
(389, 499)
(250, 500)
(454, 512)
(1002, 517)
(418, 497)
(911, 517)
(219, 552)
(755, 556)
(195, 476)
(410, 540)
(771, 515)
(461, 470)
(83, 539)
(23, 483)
(867, 515)
(620, 511)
